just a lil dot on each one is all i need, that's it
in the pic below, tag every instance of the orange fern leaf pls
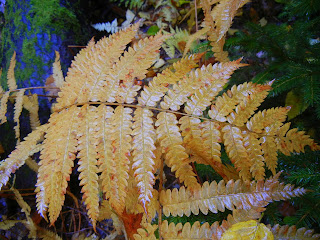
(57, 156)
(268, 121)
(143, 146)
(156, 89)
(11, 78)
(234, 142)
(17, 158)
(101, 56)
(186, 231)
(126, 71)
(248, 105)
(216, 197)
(291, 232)
(121, 137)
(31, 104)
(121, 145)
(225, 105)
(171, 142)
(146, 233)
(88, 123)
(17, 111)
(219, 20)
(105, 152)
(57, 72)
(224, 13)
(3, 107)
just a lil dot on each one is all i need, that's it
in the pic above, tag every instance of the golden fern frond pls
(295, 141)
(126, 70)
(105, 210)
(121, 145)
(32, 105)
(268, 121)
(154, 205)
(248, 106)
(202, 85)
(179, 93)
(156, 88)
(190, 130)
(292, 233)
(79, 88)
(255, 154)
(223, 14)
(213, 78)
(17, 158)
(57, 72)
(143, 157)
(284, 140)
(105, 152)
(96, 119)
(57, 156)
(73, 87)
(234, 143)
(186, 231)
(133, 204)
(217, 48)
(88, 122)
(210, 138)
(270, 154)
(219, 20)
(228, 105)
(3, 107)
(175, 154)
(122, 78)
(203, 139)
(11, 78)
(213, 33)
(146, 233)
(270, 135)
(216, 197)
(17, 111)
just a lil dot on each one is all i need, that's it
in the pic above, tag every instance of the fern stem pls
(195, 171)
(31, 88)
(75, 199)
(222, 124)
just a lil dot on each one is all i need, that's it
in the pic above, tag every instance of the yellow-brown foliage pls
(122, 134)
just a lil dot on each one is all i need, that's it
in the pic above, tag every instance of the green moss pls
(50, 16)
(43, 17)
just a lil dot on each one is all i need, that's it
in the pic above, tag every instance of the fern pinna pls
(122, 134)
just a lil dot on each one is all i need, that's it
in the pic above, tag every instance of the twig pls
(75, 199)
(160, 189)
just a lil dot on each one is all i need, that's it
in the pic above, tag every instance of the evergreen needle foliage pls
(303, 170)
(290, 51)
